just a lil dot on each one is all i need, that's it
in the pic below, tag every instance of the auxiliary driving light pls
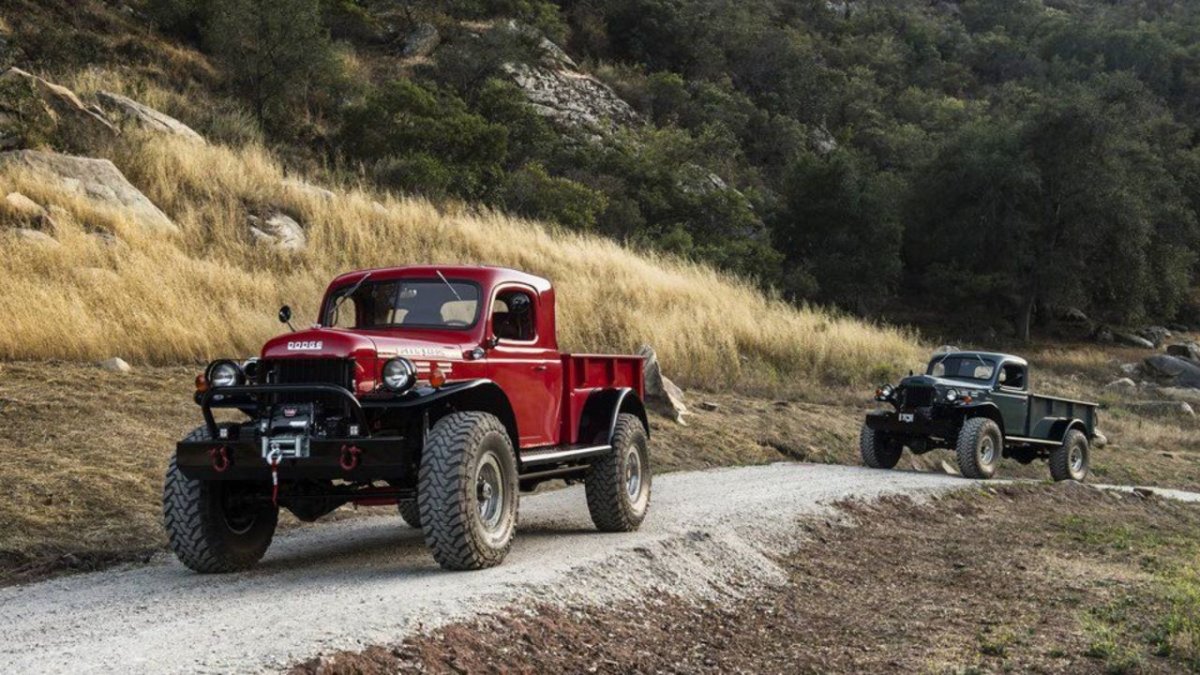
(399, 374)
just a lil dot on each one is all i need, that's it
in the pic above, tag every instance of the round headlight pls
(886, 391)
(952, 395)
(399, 374)
(224, 374)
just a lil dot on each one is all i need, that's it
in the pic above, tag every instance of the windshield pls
(404, 303)
(963, 368)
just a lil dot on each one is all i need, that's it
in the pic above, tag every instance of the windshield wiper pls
(448, 285)
(342, 298)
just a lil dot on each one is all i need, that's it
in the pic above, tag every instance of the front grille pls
(917, 397)
(308, 371)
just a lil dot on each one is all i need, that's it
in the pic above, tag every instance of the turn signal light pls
(201, 383)
(966, 399)
(436, 377)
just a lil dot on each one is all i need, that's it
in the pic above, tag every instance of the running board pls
(1033, 441)
(567, 454)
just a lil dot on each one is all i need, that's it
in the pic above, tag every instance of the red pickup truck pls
(439, 389)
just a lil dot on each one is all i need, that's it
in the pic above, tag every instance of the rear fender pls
(603, 408)
(1060, 428)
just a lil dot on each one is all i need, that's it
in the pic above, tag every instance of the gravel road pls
(368, 581)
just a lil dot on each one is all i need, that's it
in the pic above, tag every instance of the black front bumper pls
(920, 423)
(376, 458)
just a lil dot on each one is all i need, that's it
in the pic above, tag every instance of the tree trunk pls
(1025, 316)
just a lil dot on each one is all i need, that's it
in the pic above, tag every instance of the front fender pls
(984, 409)
(481, 394)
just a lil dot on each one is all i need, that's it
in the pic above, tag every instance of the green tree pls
(277, 52)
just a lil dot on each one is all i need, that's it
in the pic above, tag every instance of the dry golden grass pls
(210, 292)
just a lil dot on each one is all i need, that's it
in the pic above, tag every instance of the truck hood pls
(942, 383)
(340, 343)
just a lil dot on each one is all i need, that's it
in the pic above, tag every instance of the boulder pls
(1099, 440)
(1186, 350)
(1176, 371)
(33, 109)
(1162, 408)
(95, 179)
(660, 390)
(1157, 335)
(24, 207)
(35, 237)
(571, 99)
(1131, 369)
(1123, 386)
(1130, 340)
(278, 231)
(146, 117)
(116, 365)
(420, 41)
(1074, 314)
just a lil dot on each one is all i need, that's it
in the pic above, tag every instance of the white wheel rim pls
(987, 451)
(633, 473)
(489, 491)
(1076, 459)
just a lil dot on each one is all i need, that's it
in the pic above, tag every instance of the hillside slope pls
(118, 289)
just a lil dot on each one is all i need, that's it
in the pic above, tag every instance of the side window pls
(513, 316)
(1013, 376)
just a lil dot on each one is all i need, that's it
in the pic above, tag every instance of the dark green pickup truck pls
(979, 405)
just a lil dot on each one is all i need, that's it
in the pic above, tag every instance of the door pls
(529, 373)
(1011, 395)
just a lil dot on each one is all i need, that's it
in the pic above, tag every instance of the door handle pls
(540, 368)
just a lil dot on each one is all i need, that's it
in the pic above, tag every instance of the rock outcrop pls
(32, 110)
(278, 231)
(572, 99)
(420, 41)
(95, 179)
(661, 391)
(148, 118)
(1175, 371)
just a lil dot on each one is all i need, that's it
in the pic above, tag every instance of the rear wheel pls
(217, 526)
(1071, 461)
(467, 491)
(618, 485)
(979, 446)
(878, 450)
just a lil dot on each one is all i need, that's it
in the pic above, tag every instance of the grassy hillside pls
(211, 292)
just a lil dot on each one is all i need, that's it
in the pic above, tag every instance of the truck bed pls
(584, 374)
(1046, 411)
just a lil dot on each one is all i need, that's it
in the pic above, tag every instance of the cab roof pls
(484, 275)
(990, 356)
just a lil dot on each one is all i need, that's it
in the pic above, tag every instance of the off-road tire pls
(410, 512)
(198, 527)
(615, 506)
(1062, 460)
(877, 450)
(456, 450)
(972, 448)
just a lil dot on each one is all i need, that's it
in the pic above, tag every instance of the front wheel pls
(217, 526)
(878, 450)
(1070, 461)
(979, 446)
(410, 512)
(618, 485)
(467, 491)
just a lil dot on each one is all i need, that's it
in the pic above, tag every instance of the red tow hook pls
(220, 459)
(349, 458)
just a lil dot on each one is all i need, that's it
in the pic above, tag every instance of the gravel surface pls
(349, 584)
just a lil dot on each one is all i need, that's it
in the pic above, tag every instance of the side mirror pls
(285, 316)
(491, 342)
